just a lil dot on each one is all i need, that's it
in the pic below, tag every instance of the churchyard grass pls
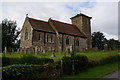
(96, 72)
(96, 56)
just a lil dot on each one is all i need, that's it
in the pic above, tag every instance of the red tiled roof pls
(67, 28)
(40, 25)
(61, 27)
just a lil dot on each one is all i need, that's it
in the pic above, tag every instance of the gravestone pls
(105, 47)
(33, 50)
(36, 50)
(18, 50)
(24, 51)
(5, 51)
(44, 51)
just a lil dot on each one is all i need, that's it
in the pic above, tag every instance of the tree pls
(113, 44)
(10, 34)
(98, 40)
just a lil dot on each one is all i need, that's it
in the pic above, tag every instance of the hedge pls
(29, 72)
(26, 59)
(74, 64)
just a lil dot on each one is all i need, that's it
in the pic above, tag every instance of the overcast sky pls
(104, 14)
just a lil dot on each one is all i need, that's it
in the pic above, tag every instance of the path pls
(112, 76)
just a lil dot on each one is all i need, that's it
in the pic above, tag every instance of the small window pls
(67, 41)
(77, 42)
(40, 37)
(47, 39)
(51, 39)
(26, 35)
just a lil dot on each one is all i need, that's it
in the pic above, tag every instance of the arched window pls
(77, 42)
(26, 35)
(67, 41)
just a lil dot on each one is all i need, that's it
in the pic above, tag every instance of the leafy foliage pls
(9, 33)
(25, 59)
(113, 44)
(28, 72)
(98, 40)
(74, 64)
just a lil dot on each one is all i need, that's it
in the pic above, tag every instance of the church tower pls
(82, 21)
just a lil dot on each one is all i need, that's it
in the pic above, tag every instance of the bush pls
(31, 59)
(74, 64)
(10, 60)
(109, 59)
(5, 61)
(25, 59)
(28, 72)
(93, 63)
(80, 63)
(67, 65)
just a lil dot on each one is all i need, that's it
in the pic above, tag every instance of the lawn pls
(96, 56)
(96, 72)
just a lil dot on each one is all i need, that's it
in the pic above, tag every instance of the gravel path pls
(112, 76)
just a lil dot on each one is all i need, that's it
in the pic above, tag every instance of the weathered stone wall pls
(83, 23)
(87, 30)
(26, 28)
(43, 42)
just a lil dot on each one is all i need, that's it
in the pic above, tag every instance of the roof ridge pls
(37, 19)
(63, 22)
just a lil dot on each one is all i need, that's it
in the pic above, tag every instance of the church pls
(56, 35)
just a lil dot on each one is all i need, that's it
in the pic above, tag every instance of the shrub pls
(80, 63)
(109, 59)
(10, 60)
(29, 59)
(28, 72)
(25, 59)
(5, 61)
(93, 63)
(67, 65)
(74, 64)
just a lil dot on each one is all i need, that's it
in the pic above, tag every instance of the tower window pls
(67, 41)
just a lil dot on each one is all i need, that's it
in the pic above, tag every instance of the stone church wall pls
(28, 42)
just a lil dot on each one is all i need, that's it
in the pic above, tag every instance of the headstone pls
(18, 51)
(71, 49)
(105, 47)
(36, 50)
(44, 51)
(33, 51)
(95, 49)
(5, 51)
(12, 50)
(53, 55)
(24, 51)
